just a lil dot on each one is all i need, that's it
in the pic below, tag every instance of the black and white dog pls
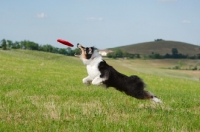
(100, 73)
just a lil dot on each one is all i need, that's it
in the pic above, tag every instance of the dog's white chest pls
(93, 71)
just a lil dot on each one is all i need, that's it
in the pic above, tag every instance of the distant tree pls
(16, 45)
(126, 54)
(119, 53)
(156, 56)
(63, 51)
(33, 45)
(192, 57)
(9, 44)
(70, 52)
(174, 51)
(131, 56)
(109, 55)
(182, 56)
(76, 51)
(112, 55)
(122, 54)
(158, 40)
(55, 50)
(23, 44)
(198, 56)
(167, 56)
(138, 56)
(3, 44)
(46, 48)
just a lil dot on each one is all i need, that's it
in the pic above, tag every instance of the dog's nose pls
(78, 45)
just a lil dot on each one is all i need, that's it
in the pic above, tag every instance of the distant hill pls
(160, 47)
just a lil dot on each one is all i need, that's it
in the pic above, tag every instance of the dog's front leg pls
(87, 80)
(97, 81)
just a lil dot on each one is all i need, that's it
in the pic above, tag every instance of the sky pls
(100, 23)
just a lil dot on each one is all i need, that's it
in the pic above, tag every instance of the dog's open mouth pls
(78, 52)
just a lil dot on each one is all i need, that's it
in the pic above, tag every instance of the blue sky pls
(100, 23)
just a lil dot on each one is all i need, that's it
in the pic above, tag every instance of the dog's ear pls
(94, 48)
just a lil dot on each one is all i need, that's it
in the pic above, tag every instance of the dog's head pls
(87, 54)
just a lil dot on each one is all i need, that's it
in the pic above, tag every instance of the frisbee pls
(65, 42)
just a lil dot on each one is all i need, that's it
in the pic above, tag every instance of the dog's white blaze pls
(95, 58)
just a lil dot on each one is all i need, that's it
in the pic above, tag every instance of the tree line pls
(29, 45)
(174, 55)
(122, 54)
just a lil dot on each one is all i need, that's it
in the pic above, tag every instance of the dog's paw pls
(97, 83)
(86, 81)
(155, 99)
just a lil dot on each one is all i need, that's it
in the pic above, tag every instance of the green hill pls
(161, 47)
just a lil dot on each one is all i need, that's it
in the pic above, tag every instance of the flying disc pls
(65, 42)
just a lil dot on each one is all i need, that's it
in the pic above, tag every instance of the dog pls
(100, 73)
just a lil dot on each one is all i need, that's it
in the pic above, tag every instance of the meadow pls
(44, 92)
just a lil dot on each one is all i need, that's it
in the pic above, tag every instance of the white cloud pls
(41, 15)
(167, 0)
(94, 18)
(186, 21)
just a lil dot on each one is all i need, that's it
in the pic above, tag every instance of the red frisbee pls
(65, 42)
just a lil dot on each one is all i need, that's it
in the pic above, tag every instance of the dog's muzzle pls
(78, 46)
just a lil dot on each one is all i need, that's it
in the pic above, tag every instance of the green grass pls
(159, 67)
(44, 92)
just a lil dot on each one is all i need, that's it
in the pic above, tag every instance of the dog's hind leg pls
(147, 95)
(152, 97)
(137, 90)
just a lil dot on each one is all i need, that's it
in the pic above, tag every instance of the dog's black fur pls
(133, 85)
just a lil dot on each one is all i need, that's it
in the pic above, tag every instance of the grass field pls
(44, 92)
(162, 67)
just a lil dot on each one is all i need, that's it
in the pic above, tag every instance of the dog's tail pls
(138, 91)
